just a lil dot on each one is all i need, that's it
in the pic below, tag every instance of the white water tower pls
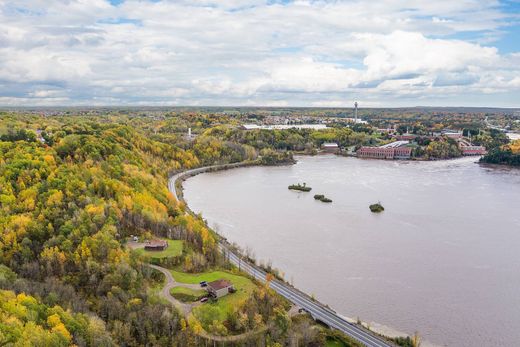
(355, 112)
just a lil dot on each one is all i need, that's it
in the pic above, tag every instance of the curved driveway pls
(165, 291)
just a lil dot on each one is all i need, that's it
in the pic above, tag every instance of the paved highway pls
(316, 309)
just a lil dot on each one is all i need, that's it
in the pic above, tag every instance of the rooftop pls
(157, 243)
(395, 144)
(219, 284)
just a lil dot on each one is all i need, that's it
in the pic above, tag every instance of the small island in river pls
(301, 187)
(322, 198)
(376, 208)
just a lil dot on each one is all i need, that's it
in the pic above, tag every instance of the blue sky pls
(261, 53)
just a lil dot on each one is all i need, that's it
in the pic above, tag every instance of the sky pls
(381, 53)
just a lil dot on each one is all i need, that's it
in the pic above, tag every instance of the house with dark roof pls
(156, 245)
(219, 288)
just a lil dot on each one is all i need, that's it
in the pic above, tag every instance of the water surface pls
(443, 258)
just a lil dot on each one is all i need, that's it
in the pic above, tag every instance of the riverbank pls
(409, 288)
(319, 311)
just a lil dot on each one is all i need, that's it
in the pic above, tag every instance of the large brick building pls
(394, 150)
(385, 152)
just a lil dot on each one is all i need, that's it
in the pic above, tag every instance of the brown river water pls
(443, 258)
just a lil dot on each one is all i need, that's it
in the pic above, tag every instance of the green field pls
(187, 294)
(174, 250)
(220, 309)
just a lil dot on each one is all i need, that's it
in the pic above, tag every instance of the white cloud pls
(251, 52)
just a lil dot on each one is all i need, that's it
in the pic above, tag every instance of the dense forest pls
(74, 188)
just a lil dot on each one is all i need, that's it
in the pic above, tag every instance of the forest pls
(74, 188)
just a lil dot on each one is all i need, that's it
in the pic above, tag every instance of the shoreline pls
(381, 329)
(175, 186)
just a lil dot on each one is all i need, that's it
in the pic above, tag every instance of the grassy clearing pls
(330, 342)
(209, 276)
(220, 309)
(174, 250)
(187, 294)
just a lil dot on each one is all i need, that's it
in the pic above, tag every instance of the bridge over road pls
(316, 309)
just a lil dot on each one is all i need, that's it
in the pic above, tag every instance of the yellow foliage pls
(53, 320)
(26, 299)
(55, 199)
(61, 329)
(28, 199)
(53, 254)
(515, 146)
(49, 159)
(20, 222)
(117, 255)
(135, 302)
(94, 210)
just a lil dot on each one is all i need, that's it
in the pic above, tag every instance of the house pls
(330, 147)
(156, 245)
(219, 288)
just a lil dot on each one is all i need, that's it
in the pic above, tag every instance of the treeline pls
(293, 139)
(506, 155)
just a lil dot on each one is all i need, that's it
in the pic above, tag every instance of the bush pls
(376, 208)
(322, 198)
(300, 187)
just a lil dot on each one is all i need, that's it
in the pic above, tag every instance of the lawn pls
(174, 250)
(220, 309)
(187, 294)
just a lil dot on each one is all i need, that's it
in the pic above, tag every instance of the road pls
(317, 310)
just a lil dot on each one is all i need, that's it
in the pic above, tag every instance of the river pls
(443, 258)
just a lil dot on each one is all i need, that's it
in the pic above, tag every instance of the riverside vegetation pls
(376, 207)
(301, 187)
(322, 198)
(508, 154)
(75, 186)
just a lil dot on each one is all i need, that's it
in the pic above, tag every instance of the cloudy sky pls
(253, 52)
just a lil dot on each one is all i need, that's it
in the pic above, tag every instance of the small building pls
(453, 134)
(156, 245)
(330, 147)
(473, 150)
(219, 288)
